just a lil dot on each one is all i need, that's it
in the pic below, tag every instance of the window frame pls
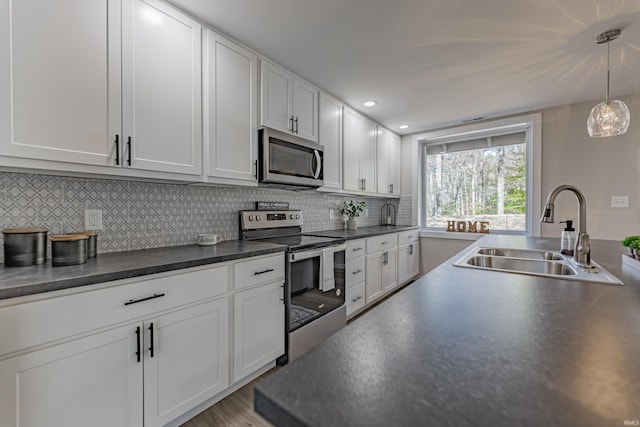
(531, 123)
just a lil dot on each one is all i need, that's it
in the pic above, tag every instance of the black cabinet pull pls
(356, 249)
(138, 344)
(129, 149)
(255, 166)
(268, 270)
(357, 271)
(291, 121)
(135, 301)
(117, 142)
(411, 249)
(296, 122)
(357, 298)
(151, 339)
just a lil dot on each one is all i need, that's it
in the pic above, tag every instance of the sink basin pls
(521, 253)
(533, 262)
(522, 265)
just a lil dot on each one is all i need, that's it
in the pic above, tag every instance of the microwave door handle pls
(316, 174)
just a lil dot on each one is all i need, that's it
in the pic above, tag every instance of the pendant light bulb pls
(609, 118)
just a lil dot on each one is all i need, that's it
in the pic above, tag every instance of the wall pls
(600, 168)
(140, 215)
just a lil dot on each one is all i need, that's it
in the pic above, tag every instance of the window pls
(480, 173)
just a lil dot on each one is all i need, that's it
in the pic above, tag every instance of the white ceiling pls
(434, 63)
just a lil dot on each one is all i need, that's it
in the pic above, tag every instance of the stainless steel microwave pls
(289, 161)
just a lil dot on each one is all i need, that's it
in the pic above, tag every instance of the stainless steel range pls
(314, 283)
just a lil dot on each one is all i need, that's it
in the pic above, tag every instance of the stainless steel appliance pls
(289, 161)
(315, 277)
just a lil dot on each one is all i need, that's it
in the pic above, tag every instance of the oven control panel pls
(270, 219)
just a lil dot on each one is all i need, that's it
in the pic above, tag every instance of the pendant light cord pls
(608, 78)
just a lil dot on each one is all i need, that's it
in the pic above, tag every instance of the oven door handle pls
(302, 255)
(316, 174)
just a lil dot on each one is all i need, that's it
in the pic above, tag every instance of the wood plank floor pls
(235, 410)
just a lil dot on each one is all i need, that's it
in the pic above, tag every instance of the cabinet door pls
(382, 153)
(389, 270)
(374, 284)
(259, 328)
(161, 88)
(275, 97)
(395, 157)
(91, 381)
(190, 362)
(230, 108)
(330, 136)
(352, 144)
(369, 131)
(60, 80)
(305, 110)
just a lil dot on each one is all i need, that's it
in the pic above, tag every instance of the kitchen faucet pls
(582, 251)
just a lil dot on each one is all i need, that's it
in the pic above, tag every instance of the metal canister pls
(68, 249)
(92, 242)
(25, 246)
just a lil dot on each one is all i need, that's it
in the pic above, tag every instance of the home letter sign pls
(468, 226)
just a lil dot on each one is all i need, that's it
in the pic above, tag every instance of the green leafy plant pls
(352, 209)
(633, 243)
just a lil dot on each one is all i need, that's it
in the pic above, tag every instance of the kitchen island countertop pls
(467, 347)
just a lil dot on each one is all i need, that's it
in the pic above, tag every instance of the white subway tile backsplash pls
(141, 215)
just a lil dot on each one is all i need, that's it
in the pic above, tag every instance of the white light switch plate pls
(619, 201)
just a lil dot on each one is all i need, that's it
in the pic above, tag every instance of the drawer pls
(355, 248)
(258, 271)
(355, 298)
(408, 236)
(381, 243)
(40, 322)
(355, 271)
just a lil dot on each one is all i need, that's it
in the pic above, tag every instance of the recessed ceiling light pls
(369, 103)
(404, 126)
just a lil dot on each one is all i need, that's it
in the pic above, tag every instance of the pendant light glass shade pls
(609, 118)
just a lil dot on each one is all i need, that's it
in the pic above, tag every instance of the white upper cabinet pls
(60, 80)
(101, 83)
(230, 111)
(161, 88)
(359, 148)
(287, 103)
(388, 148)
(331, 138)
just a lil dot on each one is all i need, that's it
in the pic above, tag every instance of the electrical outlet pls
(92, 219)
(619, 201)
(332, 214)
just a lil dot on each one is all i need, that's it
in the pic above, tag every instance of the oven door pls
(289, 160)
(316, 284)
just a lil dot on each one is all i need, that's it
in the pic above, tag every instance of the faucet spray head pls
(547, 214)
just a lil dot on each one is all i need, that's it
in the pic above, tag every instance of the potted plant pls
(633, 243)
(352, 210)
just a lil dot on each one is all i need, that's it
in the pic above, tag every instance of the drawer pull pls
(356, 249)
(385, 258)
(135, 301)
(384, 243)
(151, 339)
(357, 271)
(138, 344)
(268, 270)
(359, 297)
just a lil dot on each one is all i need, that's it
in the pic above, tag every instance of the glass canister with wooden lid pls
(25, 246)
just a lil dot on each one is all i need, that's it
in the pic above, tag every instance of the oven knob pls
(258, 218)
(251, 218)
(293, 216)
(338, 292)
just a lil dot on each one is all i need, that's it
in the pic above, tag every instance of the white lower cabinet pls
(408, 262)
(258, 328)
(94, 380)
(381, 274)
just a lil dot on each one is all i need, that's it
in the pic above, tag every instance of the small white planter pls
(352, 223)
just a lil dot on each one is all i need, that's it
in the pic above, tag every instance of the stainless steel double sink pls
(534, 263)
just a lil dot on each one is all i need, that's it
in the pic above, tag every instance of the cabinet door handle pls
(364, 184)
(138, 344)
(135, 301)
(357, 298)
(291, 121)
(129, 149)
(268, 270)
(411, 249)
(282, 299)
(117, 142)
(385, 258)
(356, 249)
(357, 271)
(391, 188)
(151, 339)
(296, 122)
(255, 168)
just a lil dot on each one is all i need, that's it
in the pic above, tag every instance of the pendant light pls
(609, 118)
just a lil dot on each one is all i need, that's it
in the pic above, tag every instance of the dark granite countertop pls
(466, 347)
(362, 232)
(20, 281)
